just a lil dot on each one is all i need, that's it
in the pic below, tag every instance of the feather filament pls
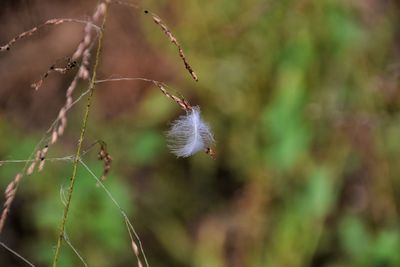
(189, 134)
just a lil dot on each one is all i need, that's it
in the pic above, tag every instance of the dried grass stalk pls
(9, 196)
(173, 40)
(59, 128)
(51, 22)
(82, 51)
(43, 154)
(70, 64)
(157, 20)
(134, 246)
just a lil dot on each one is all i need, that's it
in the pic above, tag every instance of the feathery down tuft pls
(189, 134)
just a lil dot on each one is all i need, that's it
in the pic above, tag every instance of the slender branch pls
(80, 142)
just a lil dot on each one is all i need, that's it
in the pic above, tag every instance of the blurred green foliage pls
(304, 100)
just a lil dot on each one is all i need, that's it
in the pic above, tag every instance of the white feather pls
(189, 134)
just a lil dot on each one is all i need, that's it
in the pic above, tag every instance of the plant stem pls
(80, 141)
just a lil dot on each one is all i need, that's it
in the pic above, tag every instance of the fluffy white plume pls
(189, 134)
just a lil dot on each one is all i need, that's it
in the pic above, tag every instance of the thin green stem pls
(80, 142)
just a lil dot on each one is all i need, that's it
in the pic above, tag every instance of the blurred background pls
(303, 98)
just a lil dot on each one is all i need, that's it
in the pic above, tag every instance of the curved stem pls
(80, 142)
